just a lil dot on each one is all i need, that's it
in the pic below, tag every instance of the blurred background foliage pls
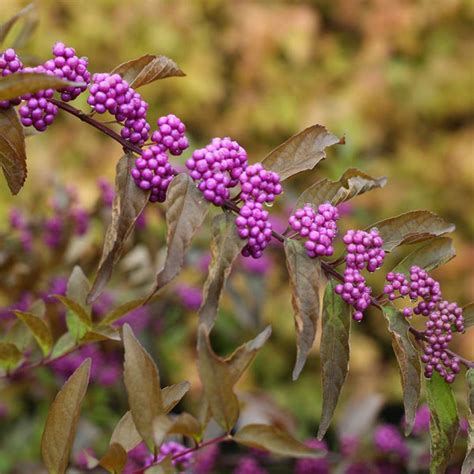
(394, 76)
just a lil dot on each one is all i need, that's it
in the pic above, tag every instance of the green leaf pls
(308, 283)
(225, 247)
(444, 422)
(8, 25)
(98, 334)
(275, 440)
(114, 459)
(335, 353)
(78, 286)
(61, 423)
(352, 183)
(12, 150)
(410, 228)
(10, 356)
(121, 311)
(39, 329)
(436, 252)
(186, 210)
(468, 464)
(301, 152)
(78, 319)
(64, 344)
(217, 382)
(468, 315)
(408, 358)
(142, 382)
(129, 202)
(148, 68)
(173, 394)
(15, 85)
(125, 433)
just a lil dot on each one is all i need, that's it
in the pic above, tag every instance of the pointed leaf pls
(8, 25)
(217, 382)
(12, 150)
(164, 467)
(225, 247)
(78, 286)
(98, 334)
(142, 382)
(410, 228)
(160, 67)
(468, 464)
(301, 152)
(129, 202)
(63, 345)
(114, 459)
(61, 423)
(335, 353)
(186, 210)
(186, 425)
(39, 329)
(10, 356)
(125, 433)
(173, 394)
(78, 319)
(308, 283)
(468, 315)
(444, 422)
(129, 70)
(275, 440)
(121, 311)
(408, 359)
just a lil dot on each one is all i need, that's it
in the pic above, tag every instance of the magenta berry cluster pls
(318, 227)
(10, 63)
(364, 249)
(170, 135)
(355, 292)
(217, 167)
(110, 93)
(253, 224)
(259, 184)
(153, 172)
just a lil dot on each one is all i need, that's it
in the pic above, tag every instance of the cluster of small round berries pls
(217, 168)
(355, 292)
(9, 64)
(319, 228)
(364, 249)
(153, 172)
(259, 184)
(110, 93)
(183, 459)
(252, 224)
(170, 135)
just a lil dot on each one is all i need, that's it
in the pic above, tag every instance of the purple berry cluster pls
(217, 168)
(253, 224)
(153, 172)
(172, 448)
(355, 292)
(387, 439)
(110, 93)
(319, 228)
(170, 135)
(259, 184)
(10, 63)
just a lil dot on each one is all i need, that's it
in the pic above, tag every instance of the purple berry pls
(364, 250)
(259, 184)
(10, 63)
(170, 135)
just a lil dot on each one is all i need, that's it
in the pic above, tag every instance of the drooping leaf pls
(308, 283)
(120, 311)
(142, 382)
(61, 423)
(125, 433)
(114, 459)
(12, 150)
(275, 440)
(225, 247)
(300, 152)
(352, 183)
(15, 85)
(412, 227)
(468, 464)
(444, 422)
(129, 202)
(334, 352)
(39, 329)
(436, 252)
(468, 315)
(173, 394)
(8, 25)
(217, 382)
(186, 210)
(78, 286)
(10, 356)
(408, 359)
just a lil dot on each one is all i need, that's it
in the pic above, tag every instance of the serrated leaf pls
(444, 422)
(468, 315)
(173, 394)
(334, 353)
(61, 423)
(275, 440)
(125, 433)
(142, 382)
(408, 359)
(410, 228)
(468, 464)
(225, 247)
(217, 381)
(186, 210)
(307, 283)
(435, 253)
(301, 152)
(10, 356)
(39, 329)
(129, 202)
(8, 25)
(16, 85)
(352, 183)
(78, 286)
(114, 459)
(12, 150)
(160, 67)
(121, 311)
